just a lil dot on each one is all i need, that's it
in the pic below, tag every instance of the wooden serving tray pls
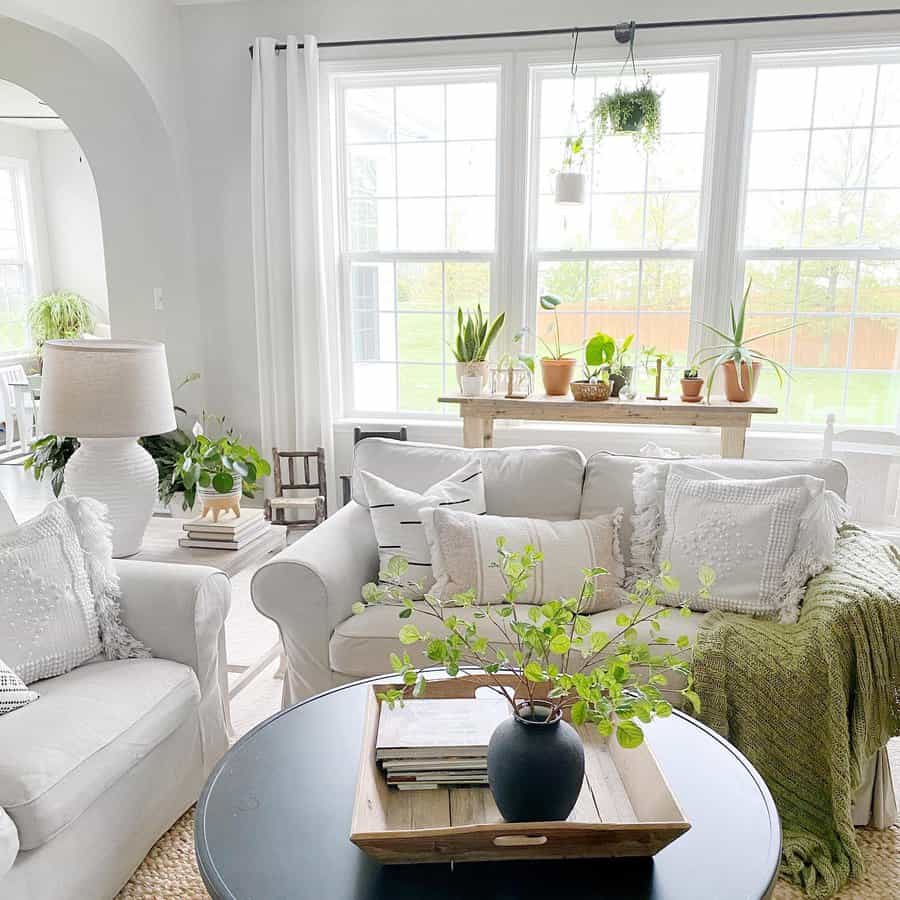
(625, 807)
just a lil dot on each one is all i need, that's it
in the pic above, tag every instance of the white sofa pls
(109, 757)
(308, 589)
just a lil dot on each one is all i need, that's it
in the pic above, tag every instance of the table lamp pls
(107, 393)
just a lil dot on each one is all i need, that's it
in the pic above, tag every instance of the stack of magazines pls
(231, 534)
(429, 744)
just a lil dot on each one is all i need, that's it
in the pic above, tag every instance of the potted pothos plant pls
(740, 363)
(564, 670)
(218, 468)
(599, 353)
(474, 337)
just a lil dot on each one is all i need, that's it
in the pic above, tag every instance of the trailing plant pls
(614, 681)
(218, 463)
(475, 335)
(635, 112)
(59, 316)
(599, 353)
(734, 346)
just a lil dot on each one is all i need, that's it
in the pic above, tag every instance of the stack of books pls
(230, 534)
(429, 744)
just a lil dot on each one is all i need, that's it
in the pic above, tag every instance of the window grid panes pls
(15, 271)
(419, 195)
(623, 262)
(821, 235)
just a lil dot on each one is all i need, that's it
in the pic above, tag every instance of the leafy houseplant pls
(474, 336)
(635, 112)
(559, 662)
(556, 365)
(60, 316)
(691, 385)
(740, 362)
(220, 465)
(599, 353)
(619, 372)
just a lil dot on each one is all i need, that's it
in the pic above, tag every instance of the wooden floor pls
(247, 634)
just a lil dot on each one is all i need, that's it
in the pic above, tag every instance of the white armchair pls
(109, 757)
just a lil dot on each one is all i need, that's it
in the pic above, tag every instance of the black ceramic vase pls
(535, 765)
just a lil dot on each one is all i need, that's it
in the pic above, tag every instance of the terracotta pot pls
(744, 392)
(590, 391)
(557, 375)
(691, 389)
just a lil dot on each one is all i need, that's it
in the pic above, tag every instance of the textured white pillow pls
(59, 592)
(397, 516)
(463, 548)
(13, 692)
(763, 538)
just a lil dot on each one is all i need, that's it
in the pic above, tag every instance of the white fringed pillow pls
(763, 538)
(397, 517)
(464, 548)
(59, 595)
(13, 692)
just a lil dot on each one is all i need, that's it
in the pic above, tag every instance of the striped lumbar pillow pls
(13, 692)
(397, 517)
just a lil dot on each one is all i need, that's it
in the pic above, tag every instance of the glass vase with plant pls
(218, 467)
(740, 363)
(474, 336)
(59, 316)
(560, 664)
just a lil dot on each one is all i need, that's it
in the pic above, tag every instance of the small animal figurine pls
(219, 505)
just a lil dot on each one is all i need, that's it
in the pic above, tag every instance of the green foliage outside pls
(613, 681)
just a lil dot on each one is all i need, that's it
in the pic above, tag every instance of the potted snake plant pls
(474, 336)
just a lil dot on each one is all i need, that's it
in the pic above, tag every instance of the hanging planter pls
(569, 187)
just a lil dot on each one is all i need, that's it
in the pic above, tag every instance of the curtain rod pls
(638, 26)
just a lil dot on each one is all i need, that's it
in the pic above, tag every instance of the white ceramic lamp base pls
(121, 474)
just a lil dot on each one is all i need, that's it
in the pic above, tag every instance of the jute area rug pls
(170, 869)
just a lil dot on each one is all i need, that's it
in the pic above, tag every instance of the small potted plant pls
(562, 669)
(557, 365)
(569, 186)
(599, 353)
(635, 112)
(474, 336)
(739, 362)
(620, 373)
(221, 470)
(691, 385)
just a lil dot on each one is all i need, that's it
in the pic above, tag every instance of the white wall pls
(74, 232)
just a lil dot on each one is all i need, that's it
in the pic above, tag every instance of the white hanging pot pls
(570, 187)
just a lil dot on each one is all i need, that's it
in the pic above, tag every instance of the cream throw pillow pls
(763, 538)
(59, 594)
(397, 517)
(464, 546)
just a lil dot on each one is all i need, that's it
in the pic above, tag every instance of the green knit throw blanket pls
(808, 704)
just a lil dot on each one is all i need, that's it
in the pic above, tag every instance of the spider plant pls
(60, 316)
(735, 347)
(475, 335)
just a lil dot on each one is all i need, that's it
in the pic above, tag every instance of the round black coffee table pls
(273, 822)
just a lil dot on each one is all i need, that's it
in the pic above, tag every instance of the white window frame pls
(20, 171)
(419, 70)
(791, 51)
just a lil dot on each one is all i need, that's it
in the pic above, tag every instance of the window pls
(821, 231)
(625, 261)
(417, 200)
(16, 270)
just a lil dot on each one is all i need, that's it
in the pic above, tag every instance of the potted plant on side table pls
(474, 336)
(598, 355)
(562, 668)
(557, 366)
(620, 373)
(691, 385)
(739, 362)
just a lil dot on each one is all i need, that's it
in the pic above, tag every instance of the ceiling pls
(20, 107)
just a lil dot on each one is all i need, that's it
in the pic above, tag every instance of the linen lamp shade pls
(105, 389)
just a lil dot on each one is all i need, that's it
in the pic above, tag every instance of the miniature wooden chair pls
(277, 506)
(360, 435)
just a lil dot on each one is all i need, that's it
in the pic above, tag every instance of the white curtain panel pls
(289, 280)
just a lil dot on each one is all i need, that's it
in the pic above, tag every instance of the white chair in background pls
(16, 406)
(872, 458)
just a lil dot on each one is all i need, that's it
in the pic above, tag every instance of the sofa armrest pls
(310, 587)
(9, 843)
(179, 612)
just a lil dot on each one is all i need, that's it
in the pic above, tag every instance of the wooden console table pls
(733, 419)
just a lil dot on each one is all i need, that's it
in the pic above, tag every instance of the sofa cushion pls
(533, 482)
(88, 729)
(361, 645)
(608, 480)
